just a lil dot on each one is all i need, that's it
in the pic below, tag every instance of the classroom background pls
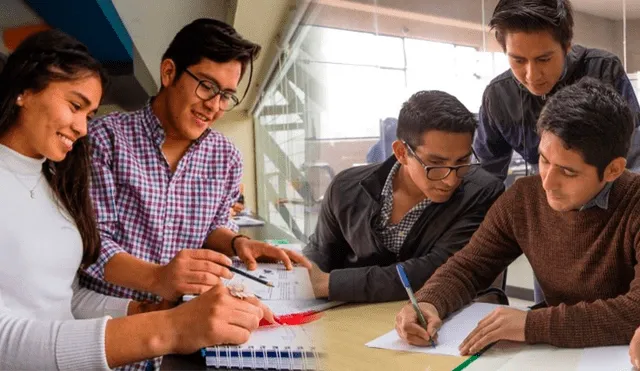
(329, 83)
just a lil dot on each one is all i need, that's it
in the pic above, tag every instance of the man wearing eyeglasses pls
(164, 181)
(418, 207)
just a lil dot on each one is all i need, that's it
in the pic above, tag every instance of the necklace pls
(32, 191)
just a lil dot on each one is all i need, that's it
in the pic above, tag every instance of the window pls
(326, 111)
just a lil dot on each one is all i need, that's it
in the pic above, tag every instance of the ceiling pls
(152, 24)
(152, 27)
(15, 13)
(611, 9)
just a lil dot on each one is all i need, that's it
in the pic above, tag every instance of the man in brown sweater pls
(577, 223)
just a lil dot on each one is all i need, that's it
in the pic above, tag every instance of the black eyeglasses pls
(441, 172)
(208, 89)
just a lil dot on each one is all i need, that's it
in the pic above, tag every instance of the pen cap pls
(403, 276)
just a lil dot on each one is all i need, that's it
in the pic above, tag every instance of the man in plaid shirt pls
(163, 182)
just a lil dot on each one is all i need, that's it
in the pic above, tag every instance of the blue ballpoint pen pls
(414, 302)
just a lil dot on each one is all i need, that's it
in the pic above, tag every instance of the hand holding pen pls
(417, 323)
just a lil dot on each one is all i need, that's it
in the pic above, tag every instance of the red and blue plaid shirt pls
(143, 208)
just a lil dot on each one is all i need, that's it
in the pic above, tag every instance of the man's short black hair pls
(592, 118)
(433, 110)
(555, 16)
(210, 39)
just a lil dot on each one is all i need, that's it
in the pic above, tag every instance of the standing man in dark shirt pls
(536, 36)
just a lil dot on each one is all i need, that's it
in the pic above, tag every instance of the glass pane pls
(349, 47)
(356, 98)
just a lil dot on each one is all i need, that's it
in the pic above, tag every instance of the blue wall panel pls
(95, 23)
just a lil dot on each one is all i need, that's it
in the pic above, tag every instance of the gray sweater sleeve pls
(77, 344)
(90, 304)
(29, 344)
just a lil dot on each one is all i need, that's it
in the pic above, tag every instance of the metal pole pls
(624, 33)
(484, 31)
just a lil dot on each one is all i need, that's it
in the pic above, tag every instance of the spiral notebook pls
(274, 348)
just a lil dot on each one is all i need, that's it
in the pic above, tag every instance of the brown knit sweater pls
(585, 261)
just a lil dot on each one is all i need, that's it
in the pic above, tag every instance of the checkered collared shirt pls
(146, 210)
(393, 235)
(142, 207)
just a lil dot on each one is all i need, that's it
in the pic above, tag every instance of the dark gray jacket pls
(509, 112)
(362, 269)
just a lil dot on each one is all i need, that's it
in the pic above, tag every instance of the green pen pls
(414, 302)
(472, 358)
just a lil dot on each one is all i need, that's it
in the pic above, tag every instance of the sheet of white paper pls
(289, 285)
(606, 358)
(450, 336)
(509, 356)
(247, 221)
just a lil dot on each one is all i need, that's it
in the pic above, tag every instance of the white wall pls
(595, 32)
(633, 44)
(457, 21)
(152, 24)
(238, 126)
(260, 21)
(15, 13)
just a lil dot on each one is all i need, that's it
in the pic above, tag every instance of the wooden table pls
(345, 331)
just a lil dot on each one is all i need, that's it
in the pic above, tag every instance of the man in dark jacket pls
(417, 208)
(536, 36)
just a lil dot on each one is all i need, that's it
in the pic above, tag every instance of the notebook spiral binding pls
(278, 360)
(306, 359)
(253, 356)
(264, 356)
(218, 357)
